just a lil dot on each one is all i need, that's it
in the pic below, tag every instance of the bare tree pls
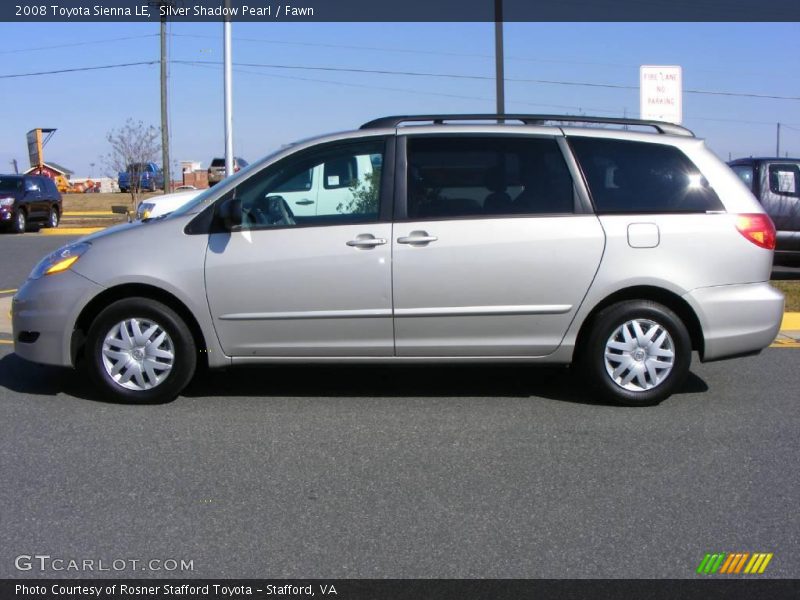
(132, 145)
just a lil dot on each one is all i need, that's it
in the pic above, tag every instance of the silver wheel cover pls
(138, 354)
(639, 355)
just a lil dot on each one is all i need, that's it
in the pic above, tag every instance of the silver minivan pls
(541, 239)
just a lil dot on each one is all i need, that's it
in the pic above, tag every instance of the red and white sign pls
(661, 93)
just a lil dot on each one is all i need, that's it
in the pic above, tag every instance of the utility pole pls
(498, 57)
(778, 142)
(228, 87)
(164, 118)
(16, 168)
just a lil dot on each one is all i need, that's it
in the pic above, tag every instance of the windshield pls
(10, 184)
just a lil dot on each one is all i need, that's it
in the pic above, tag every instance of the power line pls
(405, 90)
(78, 69)
(400, 50)
(465, 97)
(86, 43)
(487, 78)
(434, 52)
(406, 74)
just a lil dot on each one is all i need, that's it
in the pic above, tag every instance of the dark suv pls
(216, 172)
(28, 198)
(776, 184)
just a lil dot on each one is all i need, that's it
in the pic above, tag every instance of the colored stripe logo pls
(734, 563)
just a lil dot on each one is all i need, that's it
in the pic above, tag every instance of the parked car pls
(216, 170)
(539, 240)
(161, 205)
(150, 175)
(26, 199)
(776, 184)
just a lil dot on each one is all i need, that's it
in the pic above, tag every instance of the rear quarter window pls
(639, 177)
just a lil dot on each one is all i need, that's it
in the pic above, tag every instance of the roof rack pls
(660, 126)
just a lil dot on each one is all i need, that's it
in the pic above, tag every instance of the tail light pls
(757, 228)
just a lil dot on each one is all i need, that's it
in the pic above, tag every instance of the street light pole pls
(498, 57)
(228, 85)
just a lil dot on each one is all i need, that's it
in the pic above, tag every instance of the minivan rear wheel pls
(139, 350)
(637, 353)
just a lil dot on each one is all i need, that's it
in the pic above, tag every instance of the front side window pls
(639, 177)
(784, 179)
(745, 173)
(267, 198)
(485, 176)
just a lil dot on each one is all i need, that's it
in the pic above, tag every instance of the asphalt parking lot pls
(399, 472)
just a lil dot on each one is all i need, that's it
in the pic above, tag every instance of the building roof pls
(53, 166)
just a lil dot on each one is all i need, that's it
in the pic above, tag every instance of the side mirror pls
(230, 214)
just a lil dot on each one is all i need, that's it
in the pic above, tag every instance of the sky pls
(275, 106)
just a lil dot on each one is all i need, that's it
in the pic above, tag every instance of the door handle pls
(304, 202)
(366, 241)
(417, 238)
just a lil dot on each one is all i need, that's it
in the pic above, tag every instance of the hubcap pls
(20, 221)
(639, 355)
(53, 218)
(138, 354)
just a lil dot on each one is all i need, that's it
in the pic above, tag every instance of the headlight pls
(6, 202)
(60, 260)
(144, 210)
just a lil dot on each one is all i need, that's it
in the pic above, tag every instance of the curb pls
(70, 230)
(791, 321)
(88, 213)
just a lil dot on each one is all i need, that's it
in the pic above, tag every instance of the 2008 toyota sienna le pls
(451, 238)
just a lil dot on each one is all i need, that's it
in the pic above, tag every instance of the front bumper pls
(737, 319)
(43, 316)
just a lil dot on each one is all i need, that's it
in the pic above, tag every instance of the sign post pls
(661, 93)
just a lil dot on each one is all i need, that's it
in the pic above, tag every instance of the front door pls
(292, 284)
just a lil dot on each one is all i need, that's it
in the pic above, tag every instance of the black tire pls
(53, 218)
(648, 390)
(153, 312)
(20, 221)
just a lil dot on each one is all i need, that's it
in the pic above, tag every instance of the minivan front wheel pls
(638, 353)
(140, 351)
